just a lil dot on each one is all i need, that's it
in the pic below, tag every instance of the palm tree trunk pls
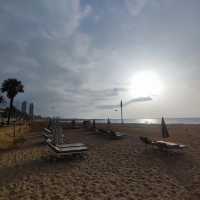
(10, 110)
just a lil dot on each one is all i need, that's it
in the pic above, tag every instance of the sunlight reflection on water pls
(148, 121)
(154, 121)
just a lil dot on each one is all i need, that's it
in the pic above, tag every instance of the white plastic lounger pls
(119, 134)
(170, 145)
(161, 144)
(47, 133)
(47, 136)
(66, 145)
(70, 150)
(70, 145)
(110, 133)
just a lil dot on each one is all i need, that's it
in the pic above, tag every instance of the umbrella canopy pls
(165, 133)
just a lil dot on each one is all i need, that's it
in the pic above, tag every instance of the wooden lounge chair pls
(67, 149)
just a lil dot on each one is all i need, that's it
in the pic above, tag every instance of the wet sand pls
(113, 169)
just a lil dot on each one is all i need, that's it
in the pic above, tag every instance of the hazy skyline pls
(80, 58)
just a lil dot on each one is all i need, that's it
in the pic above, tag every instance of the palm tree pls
(12, 87)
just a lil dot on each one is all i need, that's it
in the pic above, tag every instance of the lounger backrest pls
(47, 131)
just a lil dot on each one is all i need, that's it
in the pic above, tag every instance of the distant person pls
(50, 124)
(108, 121)
(73, 122)
(84, 122)
(94, 123)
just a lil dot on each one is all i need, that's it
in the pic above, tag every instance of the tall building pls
(23, 107)
(31, 110)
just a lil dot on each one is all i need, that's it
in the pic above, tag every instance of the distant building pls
(31, 110)
(23, 107)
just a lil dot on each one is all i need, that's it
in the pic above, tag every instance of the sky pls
(79, 58)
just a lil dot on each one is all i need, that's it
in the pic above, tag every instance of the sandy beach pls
(113, 169)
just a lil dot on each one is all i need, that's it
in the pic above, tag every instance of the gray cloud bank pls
(139, 99)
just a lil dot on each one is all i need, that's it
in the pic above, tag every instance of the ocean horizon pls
(192, 120)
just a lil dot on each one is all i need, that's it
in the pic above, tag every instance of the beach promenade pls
(113, 169)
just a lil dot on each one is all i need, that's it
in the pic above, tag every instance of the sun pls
(146, 83)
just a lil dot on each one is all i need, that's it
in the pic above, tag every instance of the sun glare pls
(146, 83)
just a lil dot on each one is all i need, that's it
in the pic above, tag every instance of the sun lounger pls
(47, 130)
(102, 130)
(163, 145)
(67, 150)
(110, 133)
(169, 145)
(165, 134)
(47, 133)
(70, 145)
(116, 135)
(66, 145)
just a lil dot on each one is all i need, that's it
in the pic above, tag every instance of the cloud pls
(87, 11)
(139, 99)
(41, 44)
(135, 7)
(89, 98)
(135, 100)
(75, 55)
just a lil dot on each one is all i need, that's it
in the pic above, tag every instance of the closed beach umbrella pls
(165, 133)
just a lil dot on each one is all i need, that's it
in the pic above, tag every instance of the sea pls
(153, 121)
